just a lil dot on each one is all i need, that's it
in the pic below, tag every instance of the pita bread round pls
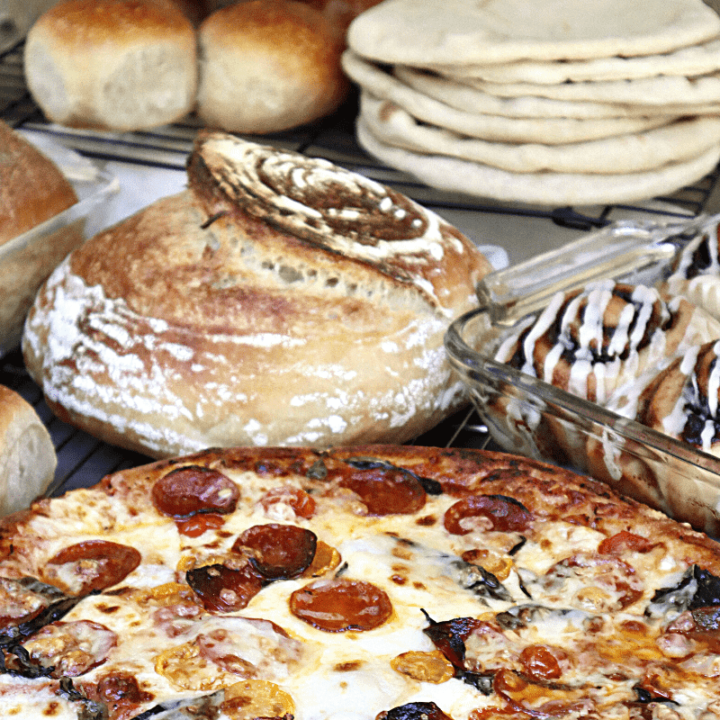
(546, 188)
(549, 131)
(658, 91)
(690, 61)
(462, 94)
(679, 141)
(416, 32)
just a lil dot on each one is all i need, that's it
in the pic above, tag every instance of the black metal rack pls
(82, 459)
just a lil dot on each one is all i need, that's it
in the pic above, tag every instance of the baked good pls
(376, 582)
(280, 300)
(695, 271)
(458, 32)
(27, 453)
(269, 65)
(112, 64)
(593, 340)
(32, 190)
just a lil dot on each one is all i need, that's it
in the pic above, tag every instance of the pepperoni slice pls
(121, 688)
(495, 512)
(539, 663)
(277, 551)
(223, 589)
(625, 541)
(196, 525)
(193, 489)
(340, 604)
(98, 564)
(386, 491)
(301, 502)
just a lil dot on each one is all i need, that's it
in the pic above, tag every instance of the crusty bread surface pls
(27, 454)
(279, 300)
(112, 64)
(269, 65)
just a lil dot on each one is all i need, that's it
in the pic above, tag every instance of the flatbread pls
(545, 188)
(549, 131)
(465, 94)
(416, 32)
(658, 91)
(679, 141)
(690, 61)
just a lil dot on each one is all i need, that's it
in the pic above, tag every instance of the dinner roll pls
(269, 65)
(27, 454)
(112, 64)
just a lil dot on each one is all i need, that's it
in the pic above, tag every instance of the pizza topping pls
(341, 604)
(386, 490)
(224, 589)
(696, 588)
(540, 662)
(487, 512)
(432, 667)
(121, 687)
(187, 668)
(300, 502)
(449, 637)
(480, 581)
(69, 649)
(194, 489)
(253, 699)
(598, 583)
(196, 525)
(248, 647)
(623, 542)
(24, 599)
(277, 551)
(91, 565)
(415, 711)
(325, 560)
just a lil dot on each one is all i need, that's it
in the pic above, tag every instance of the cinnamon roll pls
(695, 274)
(591, 341)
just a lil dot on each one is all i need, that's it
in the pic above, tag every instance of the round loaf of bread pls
(280, 300)
(32, 190)
(112, 64)
(27, 454)
(269, 65)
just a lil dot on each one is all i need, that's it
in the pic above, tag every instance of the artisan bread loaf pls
(269, 65)
(27, 454)
(279, 300)
(32, 190)
(112, 64)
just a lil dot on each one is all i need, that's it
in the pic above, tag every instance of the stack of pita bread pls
(550, 102)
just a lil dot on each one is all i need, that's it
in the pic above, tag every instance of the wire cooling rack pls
(82, 459)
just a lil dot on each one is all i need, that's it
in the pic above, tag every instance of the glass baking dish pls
(20, 274)
(525, 415)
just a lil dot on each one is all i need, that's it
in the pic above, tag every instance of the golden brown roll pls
(269, 65)
(112, 64)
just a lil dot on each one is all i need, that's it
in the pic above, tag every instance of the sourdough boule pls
(279, 300)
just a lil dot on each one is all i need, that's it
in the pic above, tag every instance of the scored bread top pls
(278, 301)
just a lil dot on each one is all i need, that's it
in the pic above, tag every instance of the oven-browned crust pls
(280, 300)
(459, 584)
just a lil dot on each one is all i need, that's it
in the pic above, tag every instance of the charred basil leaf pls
(417, 711)
(482, 682)
(482, 582)
(645, 696)
(696, 589)
(87, 709)
(206, 707)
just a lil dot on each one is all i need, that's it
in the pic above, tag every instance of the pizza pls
(375, 582)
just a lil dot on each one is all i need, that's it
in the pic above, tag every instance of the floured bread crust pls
(278, 301)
